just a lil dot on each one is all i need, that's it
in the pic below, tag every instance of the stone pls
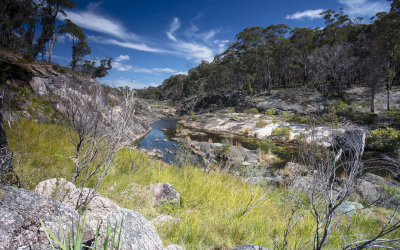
(56, 188)
(156, 140)
(368, 191)
(164, 140)
(163, 219)
(63, 191)
(136, 233)
(20, 227)
(164, 193)
(348, 207)
(249, 247)
(38, 85)
(96, 208)
(173, 247)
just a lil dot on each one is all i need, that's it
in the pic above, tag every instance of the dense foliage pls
(33, 27)
(342, 54)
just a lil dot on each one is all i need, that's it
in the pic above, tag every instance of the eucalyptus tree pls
(80, 47)
(51, 11)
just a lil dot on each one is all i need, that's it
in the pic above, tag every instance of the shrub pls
(271, 111)
(394, 114)
(385, 139)
(251, 111)
(223, 151)
(261, 124)
(266, 145)
(282, 133)
(298, 119)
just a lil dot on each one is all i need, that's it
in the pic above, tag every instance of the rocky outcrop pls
(164, 193)
(20, 211)
(60, 88)
(136, 233)
(63, 191)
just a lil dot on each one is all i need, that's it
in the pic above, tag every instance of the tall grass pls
(211, 203)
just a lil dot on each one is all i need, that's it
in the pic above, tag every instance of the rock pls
(249, 247)
(97, 206)
(368, 191)
(164, 140)
(165, 219)
(20, 211)
(163, 129)
(151, 154)
(38, 85)
(164, 193)
(173, 247)
(62, 191)
(136, 234)
(197, 148)
(156, 140)
(57, 188)
(349, 207)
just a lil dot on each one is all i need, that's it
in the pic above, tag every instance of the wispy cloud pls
(118, 64)
(195, 45)
(126, 44)
(174, 26)
(364, 8)
(91, 20)
(311, 14)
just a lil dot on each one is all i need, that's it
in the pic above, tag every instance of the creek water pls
(163, 132)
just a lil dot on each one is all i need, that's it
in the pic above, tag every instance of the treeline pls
(31, 27)
(344, 53)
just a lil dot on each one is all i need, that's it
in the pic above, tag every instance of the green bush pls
(271, 111)
(298, 119)
(223, 151)
(251, 111)
(265, 145)
(282, 133)
(261, 124)
(385, 139)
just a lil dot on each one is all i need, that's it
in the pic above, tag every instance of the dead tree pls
(334, 173)
(96, 136)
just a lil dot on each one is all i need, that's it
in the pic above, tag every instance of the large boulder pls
(164, 193)
(20, 227)
(136, 233)
(96, 206)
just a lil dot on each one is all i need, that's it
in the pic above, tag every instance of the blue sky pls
(152, 40)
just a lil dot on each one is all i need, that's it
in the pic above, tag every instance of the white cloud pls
(122, 58)
(96, 22)
(175, 25)
(196, 46)
(312, 14)
(181, 73)
(164, 70)
(121, 67)
(364, 8)
(129, 45)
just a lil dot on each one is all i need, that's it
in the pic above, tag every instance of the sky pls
(150, 40)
